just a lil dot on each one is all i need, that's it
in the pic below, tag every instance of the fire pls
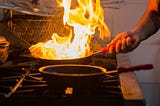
(84, 17)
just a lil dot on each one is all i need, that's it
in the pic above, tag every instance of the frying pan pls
(79, 77)
(84, 60)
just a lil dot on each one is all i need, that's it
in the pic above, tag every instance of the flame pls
(83, 18)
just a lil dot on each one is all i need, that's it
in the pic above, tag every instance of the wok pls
(79, 78)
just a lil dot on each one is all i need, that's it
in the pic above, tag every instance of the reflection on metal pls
(69, 90)
(33, 7)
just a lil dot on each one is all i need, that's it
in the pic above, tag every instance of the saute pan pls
(81, 77)
(84, 60)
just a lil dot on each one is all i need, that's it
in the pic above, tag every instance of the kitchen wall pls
(125, 18)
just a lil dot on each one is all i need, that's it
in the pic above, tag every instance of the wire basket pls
(36, 29)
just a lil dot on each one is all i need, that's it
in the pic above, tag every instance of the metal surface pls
(14, 40)
(85, 60)
(35, 91)
(79, 70)
(4, 49)
(80, 78)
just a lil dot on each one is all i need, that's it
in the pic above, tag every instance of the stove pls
(22, 84)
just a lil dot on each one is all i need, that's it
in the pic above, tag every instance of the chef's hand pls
(123, 43)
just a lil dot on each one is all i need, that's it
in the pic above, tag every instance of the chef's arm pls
(150, 21)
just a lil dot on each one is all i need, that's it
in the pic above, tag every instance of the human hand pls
(124, 42)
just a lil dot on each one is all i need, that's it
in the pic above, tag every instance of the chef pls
(148, 25)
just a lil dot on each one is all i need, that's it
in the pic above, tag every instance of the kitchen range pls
(42, 67)
(22, 84)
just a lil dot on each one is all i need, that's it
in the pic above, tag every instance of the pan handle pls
(122, 69)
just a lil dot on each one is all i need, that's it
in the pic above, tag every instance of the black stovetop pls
(22, 84)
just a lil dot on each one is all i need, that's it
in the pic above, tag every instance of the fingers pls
(124, 43)
(121, 43)
(128, 41)
(112, 49)
(118, 46)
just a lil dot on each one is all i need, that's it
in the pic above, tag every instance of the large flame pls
(84, 16)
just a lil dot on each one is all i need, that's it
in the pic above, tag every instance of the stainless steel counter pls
(132, 93)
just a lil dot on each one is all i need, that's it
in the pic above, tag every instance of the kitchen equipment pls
(83, 60)
(4, 49)
(40, 8)
(15, 41)
(80, 77)
(34, 89)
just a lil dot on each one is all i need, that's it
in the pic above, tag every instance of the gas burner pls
(22, 84)
(19, 81)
